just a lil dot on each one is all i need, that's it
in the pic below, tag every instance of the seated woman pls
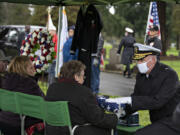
(19, 78)
(83, 106)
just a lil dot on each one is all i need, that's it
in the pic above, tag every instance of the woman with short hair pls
(19, 78)
(82, 103)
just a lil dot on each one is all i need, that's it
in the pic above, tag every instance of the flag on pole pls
(63, 37)
(50, 25)
(153, 18)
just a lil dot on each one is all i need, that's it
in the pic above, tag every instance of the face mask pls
(143, 67)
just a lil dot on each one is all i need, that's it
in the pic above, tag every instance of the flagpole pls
(149, 15)
(58, 45)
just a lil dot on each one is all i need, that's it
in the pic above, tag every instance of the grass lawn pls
(175, 64)
(172, 51)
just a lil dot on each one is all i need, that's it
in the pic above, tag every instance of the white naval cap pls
(141, 51)
(129, 30)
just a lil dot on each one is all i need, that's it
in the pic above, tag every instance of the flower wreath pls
(38, 45)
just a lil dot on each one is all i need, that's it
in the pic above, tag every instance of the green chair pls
(35, 106)
(125, 130)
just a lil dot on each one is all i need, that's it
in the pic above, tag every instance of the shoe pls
(124, 73)
(129, 76)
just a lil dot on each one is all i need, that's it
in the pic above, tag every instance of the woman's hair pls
(19, 65)
(71, 68)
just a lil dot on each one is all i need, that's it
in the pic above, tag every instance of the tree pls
(14, 13)
(176, 24)
(40, 15)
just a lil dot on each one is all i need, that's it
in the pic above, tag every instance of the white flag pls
(63, 38)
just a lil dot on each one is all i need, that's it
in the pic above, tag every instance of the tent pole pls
(58, 45)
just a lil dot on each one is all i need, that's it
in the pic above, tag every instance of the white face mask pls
(143, 68)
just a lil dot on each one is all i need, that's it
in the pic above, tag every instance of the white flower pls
(38, 36)
(31, 54)
(27, 44)
(42, 40)
(38, 70)
(22, 47)
(37, 62)
(34, 35)
(42, 58)
(24, 53)
(43, 68)
(47, 41)
(26, 48)
(46, 66)
(52, 44)
(44, 51)
(48, 57)
(52, 49)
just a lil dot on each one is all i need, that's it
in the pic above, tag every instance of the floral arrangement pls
(38, 45)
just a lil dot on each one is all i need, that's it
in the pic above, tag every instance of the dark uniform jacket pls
(17, 83)
(176, 114)
(157, 93)
(86, 36)
(83, 109)
(176, 117)
(88, 27)
(155, 42)
(128, 51)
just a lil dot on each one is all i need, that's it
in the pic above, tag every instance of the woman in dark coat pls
(20, 78)
(83, 106)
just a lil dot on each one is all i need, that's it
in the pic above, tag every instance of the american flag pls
(153, 18)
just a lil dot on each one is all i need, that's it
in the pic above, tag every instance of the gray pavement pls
(115, 84)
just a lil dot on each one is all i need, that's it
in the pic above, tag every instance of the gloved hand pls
(124, 106)
(72, 52)
(95, 61)
(128, 111)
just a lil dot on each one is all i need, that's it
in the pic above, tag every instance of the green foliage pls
(132, 15)
(14, 14)
(40, 15)
(107, 48)
(175, 64)
(172, 51)
(176, 18)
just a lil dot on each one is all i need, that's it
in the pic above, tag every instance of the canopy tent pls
(80, 2)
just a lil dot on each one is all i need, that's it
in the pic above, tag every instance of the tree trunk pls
(162, 19)
(178, 42)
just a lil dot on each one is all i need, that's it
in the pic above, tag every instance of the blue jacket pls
(66, 51)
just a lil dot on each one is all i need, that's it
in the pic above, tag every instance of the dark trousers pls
(127, 69)
(157, 129)
(85, 58)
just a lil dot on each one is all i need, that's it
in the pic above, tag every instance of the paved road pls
(116, 84)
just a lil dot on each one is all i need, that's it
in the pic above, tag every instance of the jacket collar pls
(68, 80)
(155, 70)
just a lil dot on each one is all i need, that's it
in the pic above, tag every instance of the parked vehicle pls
(9, 38)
